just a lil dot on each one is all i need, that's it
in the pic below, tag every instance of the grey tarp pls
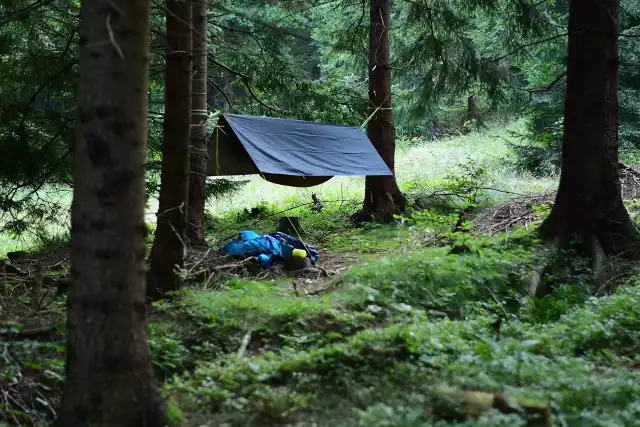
(291, 152)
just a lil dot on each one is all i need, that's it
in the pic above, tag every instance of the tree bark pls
(109, 381)
(198, 154)
(382, 197)
(588, 207)
(168, 251)
(473, 112)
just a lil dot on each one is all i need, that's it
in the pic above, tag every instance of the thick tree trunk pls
(382, 197)
(168, 249)
(109, 382)
(198, 154)
(589, 202)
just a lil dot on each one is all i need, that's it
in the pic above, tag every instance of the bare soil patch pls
(520, 211)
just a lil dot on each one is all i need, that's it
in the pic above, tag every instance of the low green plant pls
(167, 352)
(391, 374)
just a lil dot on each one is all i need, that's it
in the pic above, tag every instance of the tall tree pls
(589, 213)
(108, 377)
(198, 155)
(382, 197)
(168, 251)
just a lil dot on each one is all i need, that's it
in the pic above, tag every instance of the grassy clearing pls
(411, 318)
(377, 349)
(424, 171)
(416, 162)
(420, 168)
(390, 336)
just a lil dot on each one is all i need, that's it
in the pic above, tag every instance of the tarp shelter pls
(290, 152)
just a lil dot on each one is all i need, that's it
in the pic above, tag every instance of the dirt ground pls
(211, 267)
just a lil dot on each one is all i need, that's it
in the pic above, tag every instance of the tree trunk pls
(168, 251)
(473, 112)
(198, 154)
(589, 202)
(382, 197)
(109, 381)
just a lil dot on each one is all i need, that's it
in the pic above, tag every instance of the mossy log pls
(455, 403)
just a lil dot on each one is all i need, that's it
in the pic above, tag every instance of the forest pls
(319, 213)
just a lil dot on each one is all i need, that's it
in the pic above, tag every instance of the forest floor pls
(413, 324)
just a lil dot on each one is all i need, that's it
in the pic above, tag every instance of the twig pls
(245, 81)
(233, 265)
(227, 68)
(548, 87)
(199, 261)
(112, 37)
(222, 92)
(184, 246)
(179, 208)
(537, 42)
(8, 405)
(495, 298)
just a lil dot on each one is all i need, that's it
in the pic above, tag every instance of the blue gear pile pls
(268, 248)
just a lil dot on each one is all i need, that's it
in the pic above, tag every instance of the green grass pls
(376, 350)
(419, 168)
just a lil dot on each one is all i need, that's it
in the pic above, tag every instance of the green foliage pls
(174, 415)
(301, 59)
(166, 350)
(215, 322)
(439, 52)
(445, 280)
(392, 374)
(216, 188)
(377, 347)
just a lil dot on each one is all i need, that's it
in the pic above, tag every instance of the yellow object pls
(299, 253)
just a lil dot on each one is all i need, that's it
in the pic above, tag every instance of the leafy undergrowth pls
(380, 347)
(430, 329)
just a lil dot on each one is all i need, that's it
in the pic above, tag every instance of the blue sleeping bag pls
(264, 247)
(267, 246)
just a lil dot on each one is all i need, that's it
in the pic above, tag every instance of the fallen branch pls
(227, 267)
(45, 333)
(8, 267)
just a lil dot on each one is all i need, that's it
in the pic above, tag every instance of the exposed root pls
(243, 345)
(536, 285)
(536, 279)
(599, 261)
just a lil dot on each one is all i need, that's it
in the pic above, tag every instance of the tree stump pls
(290, 225)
